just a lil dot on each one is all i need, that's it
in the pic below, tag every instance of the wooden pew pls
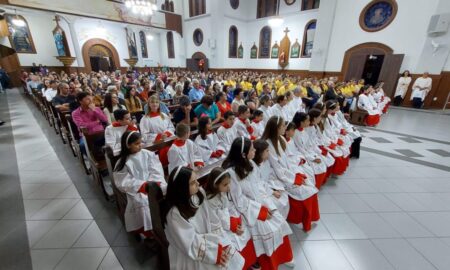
(120, 197)
(96, 157)
(358, 116)
(73, 129)
(65, 131)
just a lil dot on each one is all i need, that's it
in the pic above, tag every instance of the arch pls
(308, 38)
(198, 55)
(115, 60)
(265, 42)
(170, 47)
(362, 50)
(233, 42)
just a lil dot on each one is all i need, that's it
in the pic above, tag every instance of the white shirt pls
(50, 94)
(423, 83)
(402, 86)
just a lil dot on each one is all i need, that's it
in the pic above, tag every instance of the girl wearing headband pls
(209, 145)
(267, 226)
(223, 219)
(132, 172)
(304, 206)
(193, 243)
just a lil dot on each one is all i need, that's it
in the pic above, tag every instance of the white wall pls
(180, 57)
(405, 35)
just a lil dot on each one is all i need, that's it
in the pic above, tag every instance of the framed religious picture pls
(241, 51)
(377, 15)
(254, 51)
(131, 42)
(295, 49)
(143, 41)
(275, 49)
(20, 35)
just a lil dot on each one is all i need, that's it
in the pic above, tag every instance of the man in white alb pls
(420, 89)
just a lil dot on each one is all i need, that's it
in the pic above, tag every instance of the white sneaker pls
(290, 264)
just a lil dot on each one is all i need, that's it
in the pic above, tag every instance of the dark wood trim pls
(369, 5)
(170, 45)
(237, 39)
(97, 41)
(302, 48)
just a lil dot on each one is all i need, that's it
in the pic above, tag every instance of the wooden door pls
(10, 63)
(355, 67)
(390, 71)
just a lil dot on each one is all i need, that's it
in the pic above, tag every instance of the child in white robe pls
(209, 145)
(242, 123)
(280, 109)
(265, 103)
(223, 220)
(304, 206)
(267, 226)
(269, 179)
(183, 151)
(317, 158)
(192, 243)
(227, 132)
(155, 126)
(365, 104)
(258, 123)
(133, 170)
(114, 132)
(351, 131)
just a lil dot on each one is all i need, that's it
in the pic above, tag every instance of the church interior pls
(207, 134)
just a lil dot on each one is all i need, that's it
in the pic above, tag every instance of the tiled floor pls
(389, 210)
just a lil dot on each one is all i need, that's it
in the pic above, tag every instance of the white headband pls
(278, 120)
(219, 176)
(128, 137)
(177, 172)
(242, 147)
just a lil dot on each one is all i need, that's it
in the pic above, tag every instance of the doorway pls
(372, 68)
(99, 54)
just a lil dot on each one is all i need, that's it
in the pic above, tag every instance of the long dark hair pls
(237, 159)
(108, 102)
(124, 150)
(313, 114)
(260, 146)
(299, 118)
(202, 130)
(271, 133)
(178, 194)
(212, 188)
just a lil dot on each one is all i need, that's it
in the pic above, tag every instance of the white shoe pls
(290, 264)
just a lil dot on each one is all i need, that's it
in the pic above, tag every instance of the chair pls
(358, 116)
(73, 129)
(155, 198)
(65, 131)
(120, 197)
(96, 157)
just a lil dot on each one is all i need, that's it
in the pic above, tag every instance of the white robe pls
(152, 126)
(421, 82)
(294, 106)
(351, 130)
(331, 133)
(295, 157)
(113, 137)
(309, 149)
(248, 196)
(402, 86)
(266, 113)
(365, 104)
(258, 128)
(208, 146)
(241, 129)
(185, 155)
(286, 173)
(220, 220)
(140, 167)
(193, 245)
(277, 110)
(227, 136)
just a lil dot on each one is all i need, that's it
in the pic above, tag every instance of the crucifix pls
(57, 19)
(286, 31)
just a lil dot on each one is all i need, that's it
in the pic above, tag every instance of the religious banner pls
(143, 41)
(241, 51)
(60, 39)
(131, 42)
(20, 36)
(254, 51)
(275, 50)
(285, 46)
(295, 49)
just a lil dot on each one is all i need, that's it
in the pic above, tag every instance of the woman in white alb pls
(402, 87)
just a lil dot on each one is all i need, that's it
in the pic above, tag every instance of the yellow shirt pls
(281, 91)
(246, 86)
(278, 84)
(259, 88)
(304, 91)
(347, 91)
(230, 83)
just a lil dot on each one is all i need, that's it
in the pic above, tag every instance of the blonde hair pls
(154, 99)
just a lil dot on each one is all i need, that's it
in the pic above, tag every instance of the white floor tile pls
(379, 202)
(47, 191)
(63, 234)
(341, 226)
(351, 203)
(374, 226)
(434, 250)
(402, 255)
(36, 229)
(33, 206)
(318, 232)
(436, 222)
(328, 205)
(325, 255)
(405, 201)
(92, 237)
(79, 211)
(110, 262)
(82, 258)
(360, 186)
(363, 255)
(405, 225)
(55, 209)
(45, 259)
(70, 192)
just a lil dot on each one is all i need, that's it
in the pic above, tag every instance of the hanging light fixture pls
(141, 7)
(276, 20)
(18, 21)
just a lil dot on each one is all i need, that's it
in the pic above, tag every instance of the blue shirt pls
(195, 94)
(211, 112)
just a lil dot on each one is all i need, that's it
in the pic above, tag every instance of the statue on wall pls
(285, 46)
(60, 39)
(131, 42)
